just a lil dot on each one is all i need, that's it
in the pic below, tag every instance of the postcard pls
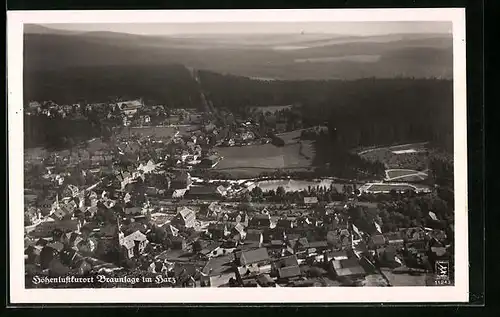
(237, 156)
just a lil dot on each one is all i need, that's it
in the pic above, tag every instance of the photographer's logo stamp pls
(442, 269)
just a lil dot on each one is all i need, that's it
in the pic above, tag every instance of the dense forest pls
(171, 85)
(58, 132)
(361, 112)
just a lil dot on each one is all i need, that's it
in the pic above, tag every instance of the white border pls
(18, 293)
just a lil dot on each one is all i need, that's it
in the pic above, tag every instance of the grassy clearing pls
(251, 172)
(291, 137)
(250, 161)
(263, 156)
(416, 160)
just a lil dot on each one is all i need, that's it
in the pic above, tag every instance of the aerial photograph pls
(238, 154)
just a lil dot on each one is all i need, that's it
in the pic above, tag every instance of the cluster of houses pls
(112, 208)
(222, 245)
(49, 108)
(242, 250)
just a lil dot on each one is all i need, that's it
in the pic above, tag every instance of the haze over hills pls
(274, 56)
(322, 72)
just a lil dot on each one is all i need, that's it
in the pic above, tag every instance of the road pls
(207, 104)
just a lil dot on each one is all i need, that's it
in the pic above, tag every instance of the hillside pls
(171, 85)
(271, 56)
(405, 96)
(364, 112)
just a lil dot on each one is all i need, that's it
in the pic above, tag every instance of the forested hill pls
(169, 84)
(277, 56)
(363, 112)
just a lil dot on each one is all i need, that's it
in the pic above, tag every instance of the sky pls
(341, 28)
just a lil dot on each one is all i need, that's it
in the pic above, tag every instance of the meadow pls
(400, 157)
(250, 161)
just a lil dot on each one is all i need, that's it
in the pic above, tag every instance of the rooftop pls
(254, 256)
(286, 261)
(289, 271)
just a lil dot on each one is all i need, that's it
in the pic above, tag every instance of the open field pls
(402, 148)
(407, 156)
(290, 137)
(266, 156)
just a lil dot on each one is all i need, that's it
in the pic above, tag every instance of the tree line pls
(170, 85)
(363, 112)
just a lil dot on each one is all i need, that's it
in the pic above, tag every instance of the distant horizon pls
(258, 28)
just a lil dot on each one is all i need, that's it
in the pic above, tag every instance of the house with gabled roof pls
(132, 211)
(339, 238)
(395, 239)
(86, 246)
(217, 230)
(285, 261)
(260, 221)
(130, 107)
(377, 241)
(253, 257)
(62, 212)
(171, 230)
(347, 268)
(134, 244)
(297, 246)
(254, 236)
(186, 218)
(239, 229)
(317, 246)
(285, 223)
(252, 262)
(213, 209)
(289, 272)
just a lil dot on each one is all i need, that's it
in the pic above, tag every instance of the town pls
(178, 197)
